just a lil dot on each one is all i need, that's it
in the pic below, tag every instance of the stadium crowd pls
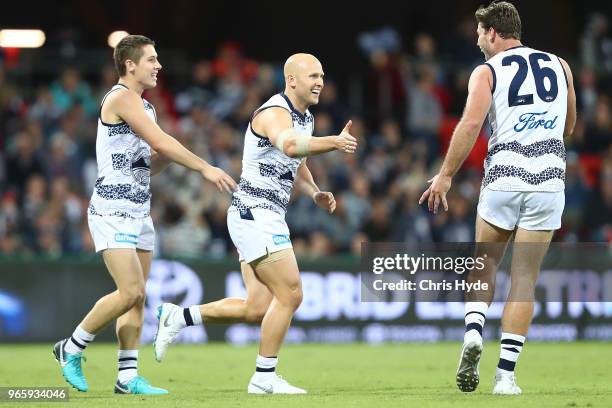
(412, 97)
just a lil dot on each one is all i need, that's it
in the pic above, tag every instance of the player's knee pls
(140, 300)
(255, 312)
(133, 296)
(295, 296)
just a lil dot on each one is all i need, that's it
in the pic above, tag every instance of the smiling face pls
(146, 69)
(304, 76)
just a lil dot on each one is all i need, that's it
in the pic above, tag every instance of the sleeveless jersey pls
(527, 118)
(124, 169)
(268, 173)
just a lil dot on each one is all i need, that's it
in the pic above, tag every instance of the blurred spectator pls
(181, 235)
(596, 44)
(576, 195)
(70, 209)
(63, 159)
(163, 101)
(412, 224)
(23, 162)
(357, 200)
(457, 228)
(425, 54)
(460, 79)
(11, 104)
(230, 61)
(10, 232)
(252, 100)
(586, 94)
(70, 90)
(330, 103)
(598, 136)
(108, 78)
(385, 93)
(44, 109)
(378, 166)
(229, 95)
(411, 105)
(340, 227)
(216, 217)
(320, 245)
(597, 214)
(461, 45)
(425, 111)
(201, 90)
(378, 227)
(33, 206)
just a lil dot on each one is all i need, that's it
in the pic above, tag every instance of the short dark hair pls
(503, 17)
(130, 47)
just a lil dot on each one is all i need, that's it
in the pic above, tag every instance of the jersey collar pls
(515, 47)
(301, 115)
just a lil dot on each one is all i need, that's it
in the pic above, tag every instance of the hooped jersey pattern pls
(527, 118)
(268, 173)
(124, 169)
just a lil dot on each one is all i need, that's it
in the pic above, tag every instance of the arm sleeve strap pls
(301, 142)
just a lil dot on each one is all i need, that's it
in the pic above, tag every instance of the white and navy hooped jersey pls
(527, 117)
(124, 169)
(268, 173)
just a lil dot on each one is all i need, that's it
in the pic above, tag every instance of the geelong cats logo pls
(140, 166)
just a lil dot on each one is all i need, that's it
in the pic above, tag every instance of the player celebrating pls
(276, 140)
(130, 147)
(530, 98)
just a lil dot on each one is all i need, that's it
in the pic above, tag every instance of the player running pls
(130, 147)
(276, 141)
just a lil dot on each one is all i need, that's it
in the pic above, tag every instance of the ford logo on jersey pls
(280, 239)
(532, 120)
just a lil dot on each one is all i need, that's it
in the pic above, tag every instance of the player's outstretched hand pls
(436, 193)
(345, 142)
(325, 200)
(219, 178)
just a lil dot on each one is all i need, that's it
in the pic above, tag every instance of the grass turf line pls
(423, 375)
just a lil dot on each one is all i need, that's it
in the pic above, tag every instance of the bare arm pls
(570, 119)
(306, 182)
(465, 134)
(127, 106)
(159, 163)
(272, 122)
(467, 130)
(323, 199)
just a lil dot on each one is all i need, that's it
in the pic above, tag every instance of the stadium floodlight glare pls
(21, 38)
(115, 37)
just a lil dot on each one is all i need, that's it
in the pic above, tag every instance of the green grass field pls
(406, 375)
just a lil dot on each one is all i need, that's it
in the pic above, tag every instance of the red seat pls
(476, 157)
(591, 166)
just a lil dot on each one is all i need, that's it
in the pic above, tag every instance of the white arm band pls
(301, 145)
(301, 142)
